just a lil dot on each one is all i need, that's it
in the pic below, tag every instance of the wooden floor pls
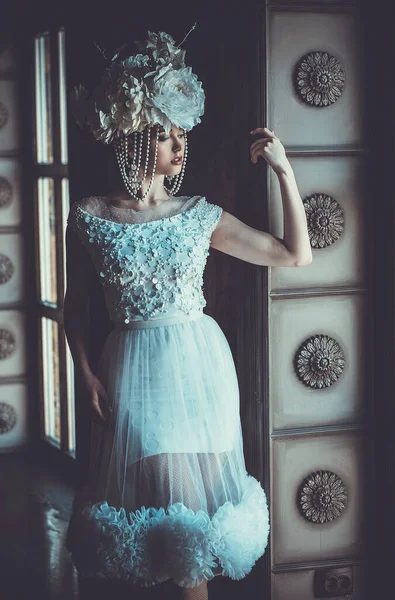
(35, 505)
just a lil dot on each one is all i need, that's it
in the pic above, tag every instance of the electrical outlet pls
(333, 583)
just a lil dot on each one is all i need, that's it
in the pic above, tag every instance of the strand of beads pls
(147, 153)
(147, 160)
(121, 160)
(178, 179)
(134, 168)
(140, 137)
(122, 163)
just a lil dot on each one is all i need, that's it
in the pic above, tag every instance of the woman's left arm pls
(234, 237)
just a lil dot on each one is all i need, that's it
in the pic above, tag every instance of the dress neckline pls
(140, 211)
(164, 218)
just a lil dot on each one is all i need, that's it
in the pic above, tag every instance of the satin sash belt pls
(159, 322)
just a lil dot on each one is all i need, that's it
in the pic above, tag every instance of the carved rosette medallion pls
(319, 361)
(325, 220)
(319, 79)
(6, 268)
(3, 115)
(5, 192)
(322, 497)
(7, 343)
(8, 417)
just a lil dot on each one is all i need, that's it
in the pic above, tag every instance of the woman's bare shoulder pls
(91, 204)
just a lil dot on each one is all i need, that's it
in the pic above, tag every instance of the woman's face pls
(169, 148)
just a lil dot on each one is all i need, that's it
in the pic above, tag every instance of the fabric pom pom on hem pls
(150, 546)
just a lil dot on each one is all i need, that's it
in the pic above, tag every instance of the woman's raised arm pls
(234, 237)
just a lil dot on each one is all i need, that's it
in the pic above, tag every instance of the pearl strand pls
(146, 164)
(147, 159)
(147, 152)
(135, 166)
(140, 151)
(122, 161)
(178, 180)
(120, 155)
(135, 138)
(121, 152)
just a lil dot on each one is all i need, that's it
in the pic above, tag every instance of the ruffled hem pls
(150, 546)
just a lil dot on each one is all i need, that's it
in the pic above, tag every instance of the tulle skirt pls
(168, 495)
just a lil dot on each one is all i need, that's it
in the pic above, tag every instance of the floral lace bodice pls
(149, 267)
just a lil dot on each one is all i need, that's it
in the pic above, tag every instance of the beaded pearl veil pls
(130, 169)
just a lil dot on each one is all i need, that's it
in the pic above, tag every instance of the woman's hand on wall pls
(270, 148)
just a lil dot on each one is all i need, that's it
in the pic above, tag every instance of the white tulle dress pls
(168, 495)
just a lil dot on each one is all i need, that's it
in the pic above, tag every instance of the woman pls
(168, 495)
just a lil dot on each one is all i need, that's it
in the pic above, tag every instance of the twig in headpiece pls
(192, 28)
(100, 50)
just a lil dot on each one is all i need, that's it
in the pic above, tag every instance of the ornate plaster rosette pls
(319, 79)
(3, 115)
(319, 361)
(5, 192)
(7, 343)
(322, 497)
(6, 268)
(325, 220)
(8, 417)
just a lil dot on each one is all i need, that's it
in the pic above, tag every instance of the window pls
(51, 209)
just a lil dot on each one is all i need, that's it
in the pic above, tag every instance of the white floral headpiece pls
(153, 87)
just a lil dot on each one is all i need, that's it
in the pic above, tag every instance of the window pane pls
(62, 97)
(65, 212)
(70, 364)
(44, 135)
(50, 360)
(47, 239)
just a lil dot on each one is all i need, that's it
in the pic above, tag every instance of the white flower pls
(127, 111)
(177, 97)
(103, 127)
(163, 50)
(138, 61)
